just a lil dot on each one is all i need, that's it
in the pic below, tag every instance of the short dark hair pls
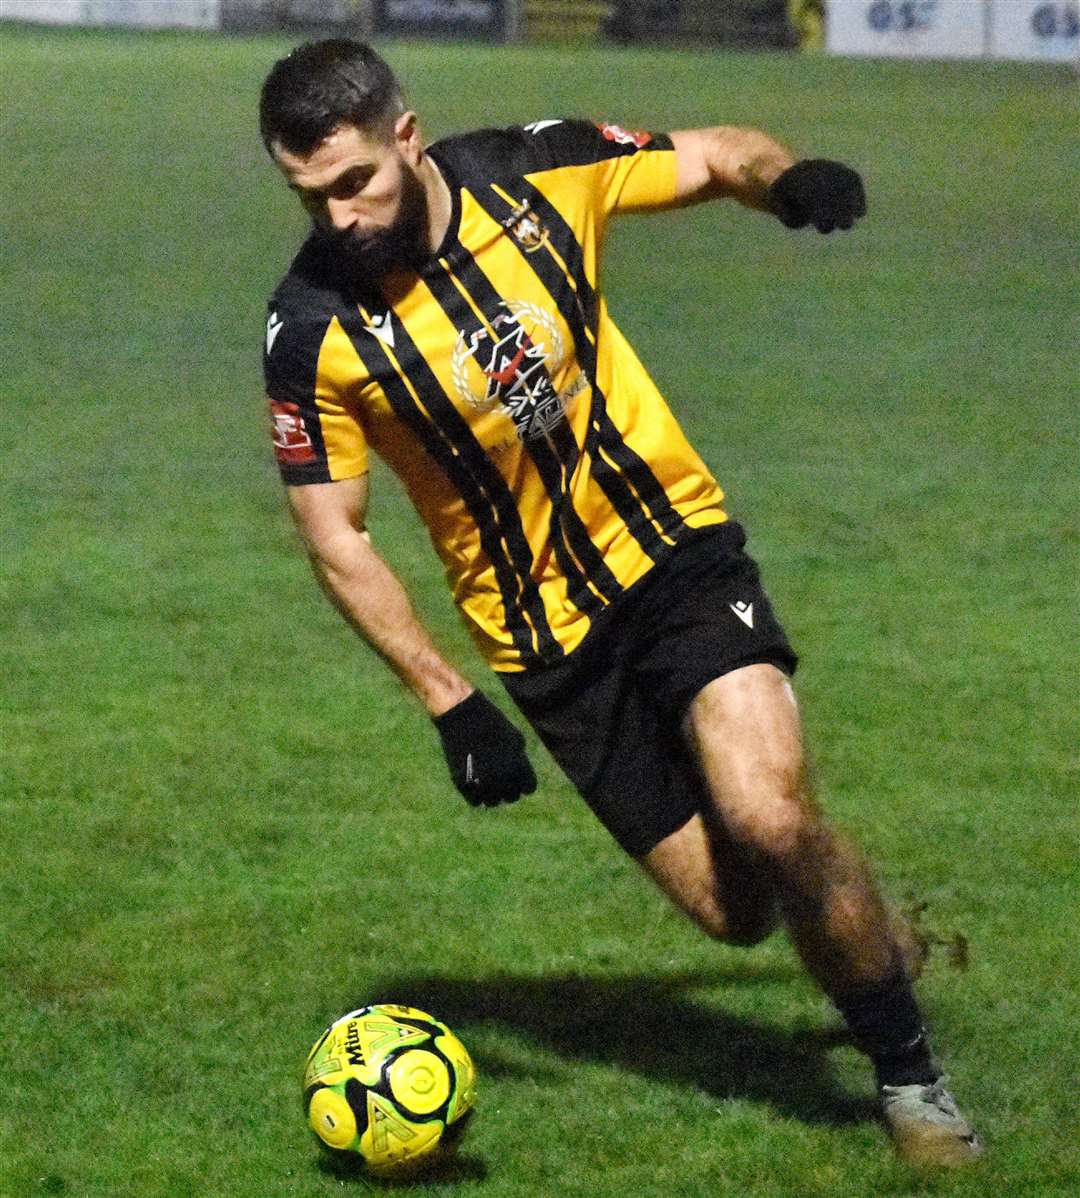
(322, 85)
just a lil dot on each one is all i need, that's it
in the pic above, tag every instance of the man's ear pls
(407, 136)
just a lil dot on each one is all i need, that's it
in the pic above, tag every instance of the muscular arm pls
(728, 161)
(759, 172)
(330, 517)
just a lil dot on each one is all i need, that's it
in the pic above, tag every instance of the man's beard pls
(401, 245)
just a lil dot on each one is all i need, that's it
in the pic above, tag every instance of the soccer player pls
(444, 311)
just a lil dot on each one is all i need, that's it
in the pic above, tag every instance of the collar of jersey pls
(450, 237)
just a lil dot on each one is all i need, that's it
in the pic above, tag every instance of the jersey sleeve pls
(632, 170)
(315, 428)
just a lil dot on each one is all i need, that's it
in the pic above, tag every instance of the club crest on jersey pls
(524, 226)
(512, 357)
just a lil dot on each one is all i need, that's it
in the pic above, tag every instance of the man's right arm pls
(484, 751)
(357, 580)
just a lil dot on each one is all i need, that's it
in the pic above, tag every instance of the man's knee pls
(741, 928)
(745, 731)
(781, 827)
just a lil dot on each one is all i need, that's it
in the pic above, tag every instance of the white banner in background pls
(1035, 30)
(149, 14)
(53, 12)
(1029, 30)
(907, 28)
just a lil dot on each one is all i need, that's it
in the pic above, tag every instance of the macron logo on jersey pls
(274, 325)
(382, 328)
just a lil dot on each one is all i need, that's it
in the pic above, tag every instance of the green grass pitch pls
(222, 825)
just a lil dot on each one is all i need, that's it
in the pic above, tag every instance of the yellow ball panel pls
(398, 1010)
(332, 1119)
(326, 1064)
(391, 1142)
(380, 1033)
(458, 1055)
(420, 1081)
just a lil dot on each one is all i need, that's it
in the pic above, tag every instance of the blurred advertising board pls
(491, 20)
(742, 24)
(1035, 29)
(1030, 30)
(150, 14)
(907, 28)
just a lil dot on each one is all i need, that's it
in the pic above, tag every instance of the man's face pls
(361, 189)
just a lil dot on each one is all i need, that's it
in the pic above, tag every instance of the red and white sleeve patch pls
(292, 442)
(625, 137)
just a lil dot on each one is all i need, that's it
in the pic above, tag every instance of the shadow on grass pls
(453, 1168)
(648, 1025)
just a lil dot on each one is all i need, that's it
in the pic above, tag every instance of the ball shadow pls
(453, 1168)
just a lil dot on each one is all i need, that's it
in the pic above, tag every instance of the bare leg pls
(761, 840)
(745, 731)
(726, 893)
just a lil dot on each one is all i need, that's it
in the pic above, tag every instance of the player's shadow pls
(652, 1026)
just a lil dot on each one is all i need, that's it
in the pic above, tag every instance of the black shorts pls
(610, 712)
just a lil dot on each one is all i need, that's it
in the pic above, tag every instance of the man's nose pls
(340, 214)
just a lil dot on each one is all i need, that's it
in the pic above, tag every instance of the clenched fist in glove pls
(827, 195)
(485, 753)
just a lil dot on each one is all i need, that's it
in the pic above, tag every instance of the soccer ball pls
(390, 1084)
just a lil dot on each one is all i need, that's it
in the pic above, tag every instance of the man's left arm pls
(755, 169)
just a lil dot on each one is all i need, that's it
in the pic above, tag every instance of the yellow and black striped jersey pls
(543, 460)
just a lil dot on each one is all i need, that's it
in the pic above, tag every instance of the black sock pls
(885, 1021)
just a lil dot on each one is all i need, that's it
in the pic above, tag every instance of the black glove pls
(827, 195)
(485, 753)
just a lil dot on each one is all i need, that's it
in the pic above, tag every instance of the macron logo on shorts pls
(745, 612)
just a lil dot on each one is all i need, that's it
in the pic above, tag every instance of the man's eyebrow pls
(349, 174)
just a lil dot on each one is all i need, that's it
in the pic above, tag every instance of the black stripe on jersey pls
(624, 476)
(447, 438)
(555, 456)
(290, 368)
(607, 436)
